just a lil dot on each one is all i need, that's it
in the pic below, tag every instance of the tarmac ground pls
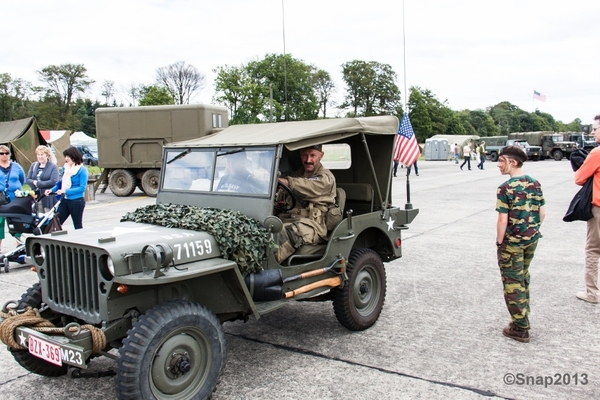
(440, 333)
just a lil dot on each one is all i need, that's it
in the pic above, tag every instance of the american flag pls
(406, 148)
(539, 96)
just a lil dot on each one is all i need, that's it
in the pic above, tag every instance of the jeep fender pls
(216, 283)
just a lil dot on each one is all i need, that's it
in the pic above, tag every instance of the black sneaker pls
(514, 332)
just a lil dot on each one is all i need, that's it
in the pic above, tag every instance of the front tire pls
(122, 182)
(359, 302)
(33, 298)
(494, 157)
(174, 351)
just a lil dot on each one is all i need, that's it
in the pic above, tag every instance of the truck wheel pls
(174, 351)
(33, 298)
(122, 182)
(358, 303)
(494, 156)
(558, 155)
(150, 182)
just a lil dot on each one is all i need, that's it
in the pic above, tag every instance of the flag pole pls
(408, 205)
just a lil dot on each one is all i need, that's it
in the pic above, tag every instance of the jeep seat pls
(318, 250)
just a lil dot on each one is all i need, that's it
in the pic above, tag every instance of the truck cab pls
(533, 152)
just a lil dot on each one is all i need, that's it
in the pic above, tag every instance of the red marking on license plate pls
(44, 350)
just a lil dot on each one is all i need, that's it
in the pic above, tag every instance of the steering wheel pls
(281, 205)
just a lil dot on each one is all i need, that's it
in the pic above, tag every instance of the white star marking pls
(118, 231)
(22, 339)
(390, 224)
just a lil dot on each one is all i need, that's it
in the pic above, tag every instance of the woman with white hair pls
(12, 178)
(43, 175)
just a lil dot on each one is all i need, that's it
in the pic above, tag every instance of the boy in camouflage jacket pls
(521, 211)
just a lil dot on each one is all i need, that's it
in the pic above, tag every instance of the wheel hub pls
(180, 364)
(364, 289)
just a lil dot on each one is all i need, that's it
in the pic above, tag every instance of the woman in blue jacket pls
(72, 185)
(12, 178)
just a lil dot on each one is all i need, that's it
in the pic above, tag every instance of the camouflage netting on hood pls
(241, 239)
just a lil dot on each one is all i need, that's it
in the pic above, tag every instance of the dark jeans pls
(416, 169)
(481, 161)
(73, 208)
(396, 167)
(467, 161)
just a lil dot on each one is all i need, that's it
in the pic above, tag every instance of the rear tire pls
(494, 157)
(122, 182)
(33, 298)
(150, 182)
(176, 350)
(359, 302)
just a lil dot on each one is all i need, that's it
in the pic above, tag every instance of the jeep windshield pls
(220, 170)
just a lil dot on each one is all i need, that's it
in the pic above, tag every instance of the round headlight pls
(110, 265)
(39, 255)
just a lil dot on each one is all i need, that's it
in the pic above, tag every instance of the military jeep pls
(154, 297)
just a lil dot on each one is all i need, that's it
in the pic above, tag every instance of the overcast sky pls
(474, 54)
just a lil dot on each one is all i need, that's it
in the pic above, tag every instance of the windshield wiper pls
(180, 155)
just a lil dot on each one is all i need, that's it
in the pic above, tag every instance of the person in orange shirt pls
(591, 170)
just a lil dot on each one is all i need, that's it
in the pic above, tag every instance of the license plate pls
(44, 350)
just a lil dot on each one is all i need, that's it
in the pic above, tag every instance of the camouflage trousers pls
(514, 268)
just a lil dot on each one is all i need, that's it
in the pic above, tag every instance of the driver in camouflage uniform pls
(521, 211)
(314, 187)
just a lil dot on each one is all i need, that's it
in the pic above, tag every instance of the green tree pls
(507, 117)
(291, 80)
(85, 111)
(14, 97)
(370, 88)
(419, 115)
(62, 83)
(155, 95)
(439, 112)
(483, 123)
(456, 125)
(246, 100)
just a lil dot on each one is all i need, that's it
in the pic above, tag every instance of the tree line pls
(276, 88)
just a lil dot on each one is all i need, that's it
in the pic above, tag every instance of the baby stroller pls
(22, 217)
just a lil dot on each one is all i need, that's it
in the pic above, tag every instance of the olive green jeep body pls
(159, 295)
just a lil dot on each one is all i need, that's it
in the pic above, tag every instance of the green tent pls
(22, 137)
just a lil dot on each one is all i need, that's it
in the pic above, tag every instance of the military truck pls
(583, 140)
(157, 287)
(533, 152)
(130, 141)
(493, 145)
(553, 144)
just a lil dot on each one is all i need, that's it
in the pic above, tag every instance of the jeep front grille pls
(72, 281)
